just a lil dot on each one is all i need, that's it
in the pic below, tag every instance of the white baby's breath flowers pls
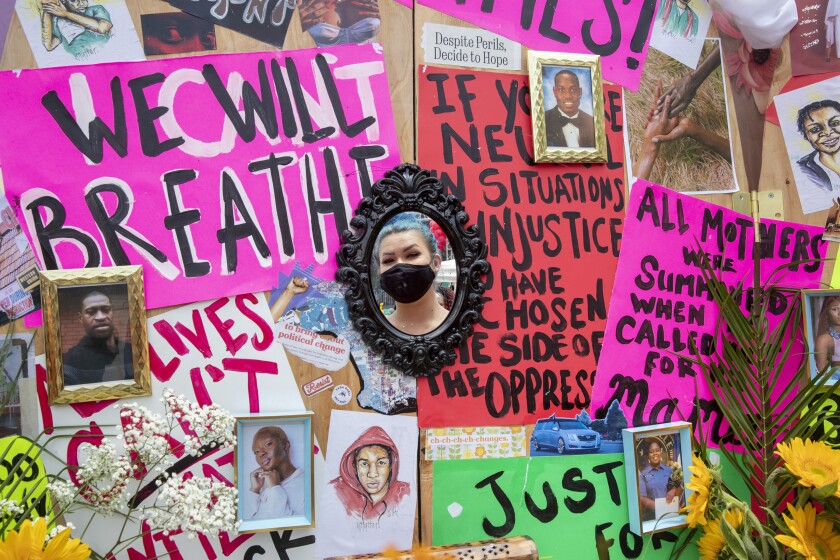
(10, 508)
(195, 505)
(58, 529)
(210, 425)
(144, 435)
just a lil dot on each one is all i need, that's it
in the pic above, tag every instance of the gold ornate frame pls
(542, 151)
(51, 281)
(281, 420)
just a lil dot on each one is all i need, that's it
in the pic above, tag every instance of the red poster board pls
(553, 234)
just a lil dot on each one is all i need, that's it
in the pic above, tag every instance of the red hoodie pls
(349, 490)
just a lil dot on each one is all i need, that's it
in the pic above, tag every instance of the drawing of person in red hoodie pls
(367, 484)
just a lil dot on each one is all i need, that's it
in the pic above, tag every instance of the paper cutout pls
(584, 495)
(679, 33)
(475, 443)
(20, 292)
(370, 500)
(68, 43)
(18, 366)
(814, 39)
(352, 22)
(210, 202)
(176, 33)
(809, 146)
(474, 48)
(617, 31)
(553, 234)
(264, 20)
(685, 164)
(219, 352)
(664, 302)
(318, 306)
(795, 83)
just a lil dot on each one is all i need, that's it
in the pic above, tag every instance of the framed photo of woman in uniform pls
(821, 311)
(273, 472)
(655, 458)
(567, 107)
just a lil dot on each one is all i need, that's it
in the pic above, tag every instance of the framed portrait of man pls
(656, 459)
(273, 472)
(567, 107)
(95, 334)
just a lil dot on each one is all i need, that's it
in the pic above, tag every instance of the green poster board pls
(566, 504)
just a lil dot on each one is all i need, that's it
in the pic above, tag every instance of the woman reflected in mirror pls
(407, 258)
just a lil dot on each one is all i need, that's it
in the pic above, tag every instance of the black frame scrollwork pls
(407, 188)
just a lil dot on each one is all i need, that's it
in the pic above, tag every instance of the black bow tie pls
(564, 120)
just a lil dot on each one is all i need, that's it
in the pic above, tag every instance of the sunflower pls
(28, 544)
(813, 462)
(698, 502)
(812, 538)
(712, 541)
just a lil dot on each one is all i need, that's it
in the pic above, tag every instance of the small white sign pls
(476, 48)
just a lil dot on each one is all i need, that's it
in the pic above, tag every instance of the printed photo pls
(273, 470)
(680, 28)
(95, 333)
(655, 457)
(579, 434)
(340, 22)
(71, 32)
(814, 47)
(688, 148)
(176, 33)
(810, 121)
(370, 499)
(20, 291)
(822, 330)
(567, 113)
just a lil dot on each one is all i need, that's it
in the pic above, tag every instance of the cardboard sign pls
(264, 20)
(616, 31)
(210, 202)
(663, 303)
(221, 352)
(23, 475)
(582, 497)
(553, 233)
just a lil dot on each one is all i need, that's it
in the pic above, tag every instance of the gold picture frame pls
(258, 438)
(86, 314)
(550, 89)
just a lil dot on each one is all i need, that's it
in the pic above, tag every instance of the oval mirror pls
(413, 274)
(414, 271)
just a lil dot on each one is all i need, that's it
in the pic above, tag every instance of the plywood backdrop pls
(400, 36)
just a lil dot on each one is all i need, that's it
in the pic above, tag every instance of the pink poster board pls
(617, 31)
(212, 172)
(660, 301)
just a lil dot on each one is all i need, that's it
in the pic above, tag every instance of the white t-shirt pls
(283, 500)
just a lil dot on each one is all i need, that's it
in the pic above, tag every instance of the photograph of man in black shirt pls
(100, 355)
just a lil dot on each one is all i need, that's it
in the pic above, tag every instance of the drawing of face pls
(654, 454)
(269, 452)
(96, 316)
(822, 128)
(373, 470)
(78, 6)
(567, 92)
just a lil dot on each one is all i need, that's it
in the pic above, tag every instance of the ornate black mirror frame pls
(407, 188)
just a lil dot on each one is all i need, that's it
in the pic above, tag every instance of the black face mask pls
(407, 283)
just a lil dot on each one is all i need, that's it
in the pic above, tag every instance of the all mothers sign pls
(212, 170)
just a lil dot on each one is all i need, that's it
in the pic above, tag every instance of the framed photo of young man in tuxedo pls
(567, 107)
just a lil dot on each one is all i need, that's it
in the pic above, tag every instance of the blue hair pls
(399, 224)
